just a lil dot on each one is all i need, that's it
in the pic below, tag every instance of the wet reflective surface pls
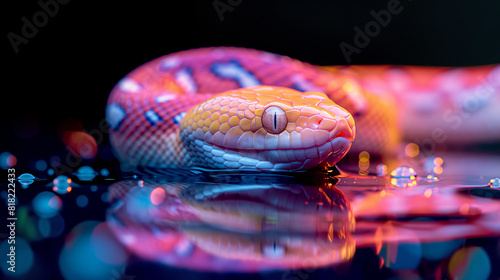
(407, 218)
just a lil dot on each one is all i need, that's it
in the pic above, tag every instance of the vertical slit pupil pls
(275, 121)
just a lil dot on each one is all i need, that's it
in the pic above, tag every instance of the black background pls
(69, 67)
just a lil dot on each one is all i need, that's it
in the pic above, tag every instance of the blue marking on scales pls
(185, 79)
(233, 70)
(152, 117)
(178, 118)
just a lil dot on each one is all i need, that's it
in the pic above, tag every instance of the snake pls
(246, 109)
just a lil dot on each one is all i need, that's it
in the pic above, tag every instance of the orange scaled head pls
(267, 128)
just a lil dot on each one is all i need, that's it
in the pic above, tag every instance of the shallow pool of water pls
(429, 218)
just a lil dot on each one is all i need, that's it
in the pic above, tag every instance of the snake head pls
(267, 128)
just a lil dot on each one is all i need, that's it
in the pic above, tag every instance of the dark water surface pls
(443, 223)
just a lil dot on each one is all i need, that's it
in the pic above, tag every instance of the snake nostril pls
(274, 120)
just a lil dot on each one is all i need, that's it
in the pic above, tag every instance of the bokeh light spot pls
(82, 201)
(364, 155)
(438, 170)
(381, 169)
(104, 172)
(11, 161)
(46, 204)
(7, 160)
(41, 165)
(412, 150)
(470, 263)
(87, 252)
(108, 249)
(428, 193)
(80, 144)
(157, 196)
(52, 227)
(105, 197)
(438, 161)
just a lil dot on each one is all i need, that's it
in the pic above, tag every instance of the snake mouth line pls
(329, 141)
(281, 159)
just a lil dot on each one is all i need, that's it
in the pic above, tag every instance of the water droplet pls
(430, 179)
(26, 179)
(433, 165)
(86, 173)
(404, 172)
(404, 182)
(61, 184)
(50, 172)
(495, 183)
(94, 188)
(62, 191)
(381, 169)
(26, 176)
(61, 181)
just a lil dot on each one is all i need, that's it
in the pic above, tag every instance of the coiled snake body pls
(246, 109)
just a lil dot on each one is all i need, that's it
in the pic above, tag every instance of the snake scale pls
(237, 108)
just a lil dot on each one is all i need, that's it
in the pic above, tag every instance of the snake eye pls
(274, 120)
